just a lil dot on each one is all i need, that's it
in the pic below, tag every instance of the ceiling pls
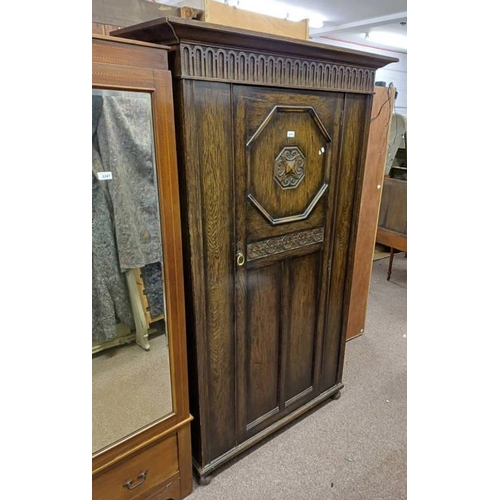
(340, 12)
(344, 20)
(351, 20)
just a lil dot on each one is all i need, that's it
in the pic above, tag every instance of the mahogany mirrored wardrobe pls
(141, 423)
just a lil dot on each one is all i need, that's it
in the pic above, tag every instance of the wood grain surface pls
(302, 327)
(260, 138)
(352, 149)
(393, 205)
(263, 340)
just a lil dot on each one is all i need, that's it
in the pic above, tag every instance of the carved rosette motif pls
(281, 244)
(223, 64)
(289, 167)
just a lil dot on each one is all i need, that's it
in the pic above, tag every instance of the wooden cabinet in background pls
(393, 217)
(392, 223)
(153, 458)
(271, 137)
(371, 193)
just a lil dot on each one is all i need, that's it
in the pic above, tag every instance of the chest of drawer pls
(142, 476)
(171, 490)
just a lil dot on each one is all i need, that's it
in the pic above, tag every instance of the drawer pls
(170, 491)
(139, 476)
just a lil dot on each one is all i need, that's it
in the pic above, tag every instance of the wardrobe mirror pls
(131, 383)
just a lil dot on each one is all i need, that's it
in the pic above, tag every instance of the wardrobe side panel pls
(193, 266)
(348, 176)
(205, 116)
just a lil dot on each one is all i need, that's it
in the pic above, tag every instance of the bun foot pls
(337, 395)
(205, 480)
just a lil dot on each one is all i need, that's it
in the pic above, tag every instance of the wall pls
(395, 72)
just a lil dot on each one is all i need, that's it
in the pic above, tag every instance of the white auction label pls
(290, 133)
(104, 176)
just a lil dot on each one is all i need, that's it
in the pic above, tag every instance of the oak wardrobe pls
(271, 136)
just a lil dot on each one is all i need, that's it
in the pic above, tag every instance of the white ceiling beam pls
(360, 25)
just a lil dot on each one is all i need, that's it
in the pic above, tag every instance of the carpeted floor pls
(130, 389)
(350, 449)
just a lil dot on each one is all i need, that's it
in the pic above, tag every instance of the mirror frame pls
(145, 70)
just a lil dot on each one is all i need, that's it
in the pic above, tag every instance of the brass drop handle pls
(130, 483)
(240, 258)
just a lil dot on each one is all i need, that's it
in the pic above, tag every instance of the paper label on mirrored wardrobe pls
(104, 176)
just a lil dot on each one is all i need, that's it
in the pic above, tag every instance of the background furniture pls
(395, 165)
(141, 315)
(392, 220)
(399, 166)
(227, 15)
(272, 137)
(152, 460)
(110, 15)
(371, 193)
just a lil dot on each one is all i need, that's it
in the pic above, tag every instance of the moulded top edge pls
(174, 30)
(107, 38)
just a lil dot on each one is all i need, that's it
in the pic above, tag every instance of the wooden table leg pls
(391, 258)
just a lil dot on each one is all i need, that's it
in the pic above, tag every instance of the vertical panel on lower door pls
(263, 313)
(303, 312)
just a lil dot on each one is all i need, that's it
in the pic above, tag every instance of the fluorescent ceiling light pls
(387, 38)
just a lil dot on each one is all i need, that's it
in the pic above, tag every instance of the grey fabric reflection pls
(125, 143)
(125, 218)
(110, 299)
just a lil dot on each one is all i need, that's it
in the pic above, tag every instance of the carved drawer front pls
(143, 476)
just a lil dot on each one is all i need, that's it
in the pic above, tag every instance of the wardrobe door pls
(287, 145)
(130, 347)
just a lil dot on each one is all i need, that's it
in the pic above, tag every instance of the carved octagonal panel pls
(289, 167)
(290, 142)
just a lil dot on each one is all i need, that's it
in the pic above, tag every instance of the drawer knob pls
(140, 479)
